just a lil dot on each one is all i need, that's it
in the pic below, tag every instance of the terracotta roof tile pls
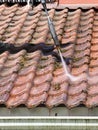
(93, 80)
(79, 70)
(93, 90)
(17, 100)
(56, 100)
(92, 101)
(36, 100)
(76, 100)
(81, 61)
(76, 89)
(18, 90)
(6, 88)
(39, 89)
(93, 71)
(24, 79)
(58, 89)
(4, 97)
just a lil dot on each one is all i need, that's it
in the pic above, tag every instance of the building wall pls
(43, 111)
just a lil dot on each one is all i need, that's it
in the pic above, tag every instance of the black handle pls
(53, 32)
(51, 26)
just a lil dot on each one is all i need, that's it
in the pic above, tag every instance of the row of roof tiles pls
(20, 25)
(27, 78)
(33, 79)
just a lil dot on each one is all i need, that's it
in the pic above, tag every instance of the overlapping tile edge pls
(33, 79)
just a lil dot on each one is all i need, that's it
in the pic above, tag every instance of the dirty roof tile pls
(76, 100)
(56, 100)
(92, 101)
(36, 100)
(39, 89)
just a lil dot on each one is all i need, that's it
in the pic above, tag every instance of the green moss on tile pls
(56, 87)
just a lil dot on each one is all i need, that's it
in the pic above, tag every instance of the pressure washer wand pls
(57, 43)
(51, 26)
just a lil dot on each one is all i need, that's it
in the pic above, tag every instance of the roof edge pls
(71, 6)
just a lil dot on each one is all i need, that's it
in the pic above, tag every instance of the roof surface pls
(32, 78)
(78, 1)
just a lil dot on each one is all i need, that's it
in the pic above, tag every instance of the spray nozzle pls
(43, 2)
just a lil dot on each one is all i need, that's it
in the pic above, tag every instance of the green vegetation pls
(56, 87)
